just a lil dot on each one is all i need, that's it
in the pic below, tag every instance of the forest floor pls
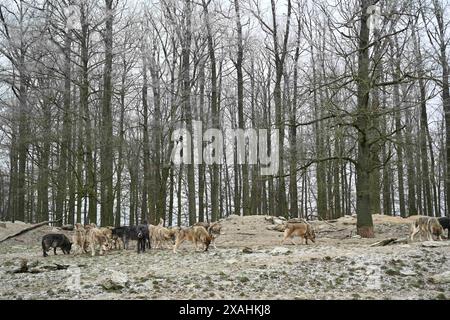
(338, 266)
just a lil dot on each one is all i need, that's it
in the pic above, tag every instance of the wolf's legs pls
(92, 246)
(177, 244)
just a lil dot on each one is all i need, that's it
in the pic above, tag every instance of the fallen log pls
(35, 226)
(326, 231)
(277, 227)
(246, 233)
(297, 220)
(401, 241)
(384, 242)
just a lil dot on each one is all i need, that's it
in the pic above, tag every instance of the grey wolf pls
(56, 240)
(427, 225)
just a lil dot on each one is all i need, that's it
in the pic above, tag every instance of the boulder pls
(280, 250)
(441, 278)
(231, 261)
(407, 273)
(435, 244)
(278, 221)
(114, 283)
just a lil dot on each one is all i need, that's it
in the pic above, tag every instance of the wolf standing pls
(55, 240)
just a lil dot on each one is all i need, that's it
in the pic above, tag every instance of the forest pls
(92, 91)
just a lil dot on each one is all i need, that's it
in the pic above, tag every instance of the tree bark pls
(364, 222)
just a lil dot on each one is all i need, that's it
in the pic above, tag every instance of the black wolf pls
(127, 233)
(445, 223)
(56, 240)
(143, 237)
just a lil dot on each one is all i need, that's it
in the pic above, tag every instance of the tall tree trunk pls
(146, 144)
(43, 179)
(428, 207)
(398, 124)
(186, 101)
(214, 113)
(438, 11)
(91, 184)
(410, 167)
(201, 166)
(160, 173)
(179, 208)
(255, 197)
(320, 166)
(171, 193)
(66, 133)
(279, 119)
(240, 104)
(364, 222)
(293, 191)
(120, 145)
(106, 155)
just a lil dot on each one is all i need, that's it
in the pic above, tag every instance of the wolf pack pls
(91, 238)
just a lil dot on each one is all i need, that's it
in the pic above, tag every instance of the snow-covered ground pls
(337, 266)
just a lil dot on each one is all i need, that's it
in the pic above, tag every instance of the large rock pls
(110, 284)
(231, 261)
(441, 278)
(435, 244)
(232, 216)
(280, 250)
(277, 227)
(408, 273)
(115, 281)
(278, 221)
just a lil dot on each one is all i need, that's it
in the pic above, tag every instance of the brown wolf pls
(194, 234)
(79, 237)
(96, 237)
(107, 231)
(213, 229)
(161, 235)
(303, 230)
